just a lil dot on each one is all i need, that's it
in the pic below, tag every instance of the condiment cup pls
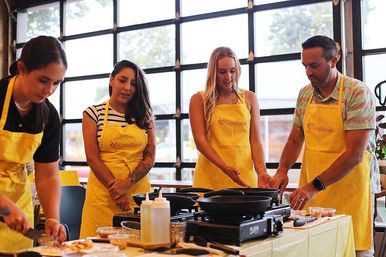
(316, 212)
(328, 212)
(177, 232)
(104, 232)
(119, 240)
(132, 229)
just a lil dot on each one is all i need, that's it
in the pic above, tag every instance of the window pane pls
(189, 150)
(166, 140)
(187, 174)
(87, 15)
(135, 12)
(92, 55)
(274, 133)
(55, 98)
(35, 21)
(374, 72)
(283, 30)
(162, 174)
(152, 47)
(206, 35)
(192, 7)
(373, 16)
(78, 95)
(73, 145)
(278, 83)
(162, 87)
(194, 81)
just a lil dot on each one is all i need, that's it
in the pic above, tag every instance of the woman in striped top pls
(119, 138)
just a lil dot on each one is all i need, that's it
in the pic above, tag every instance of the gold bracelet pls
(52, 219)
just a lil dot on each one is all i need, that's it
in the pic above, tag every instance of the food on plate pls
(49, 250)
(78, 245)
(104, 232)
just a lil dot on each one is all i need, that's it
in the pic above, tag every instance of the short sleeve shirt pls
(48, 151)
(358, 110)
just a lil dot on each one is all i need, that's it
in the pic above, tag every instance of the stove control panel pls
(276, 224)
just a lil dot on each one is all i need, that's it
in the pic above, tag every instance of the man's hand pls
(301, 196)
(264, 180)
(280, 180)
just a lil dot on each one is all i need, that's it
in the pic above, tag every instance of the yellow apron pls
(16, 151)
(324, 143)
(229, 137)
(121, 150)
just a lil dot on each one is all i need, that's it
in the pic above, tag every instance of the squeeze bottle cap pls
(161, 200)
(147, 201)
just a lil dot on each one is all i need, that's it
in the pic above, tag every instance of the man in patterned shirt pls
(335, 118)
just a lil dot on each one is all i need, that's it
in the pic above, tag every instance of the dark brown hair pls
(140, 111)
(329, 46)
(38, 53)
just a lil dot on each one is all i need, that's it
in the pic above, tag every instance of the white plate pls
(52, 251)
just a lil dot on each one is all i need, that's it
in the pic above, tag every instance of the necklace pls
(21, 108)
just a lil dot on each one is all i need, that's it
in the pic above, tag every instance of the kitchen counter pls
(331, 238)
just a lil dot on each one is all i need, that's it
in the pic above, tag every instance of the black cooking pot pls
(178, 201)
(243, 205)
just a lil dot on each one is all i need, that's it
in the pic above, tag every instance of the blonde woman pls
(225, 125)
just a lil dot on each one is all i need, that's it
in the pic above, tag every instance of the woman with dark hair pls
(29, 139)
(119, 139)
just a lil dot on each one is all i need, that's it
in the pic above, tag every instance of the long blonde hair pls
(211, 94)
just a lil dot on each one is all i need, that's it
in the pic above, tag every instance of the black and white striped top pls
(97, 113)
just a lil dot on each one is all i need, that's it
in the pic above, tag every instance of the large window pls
(172, 41)
(373, 42)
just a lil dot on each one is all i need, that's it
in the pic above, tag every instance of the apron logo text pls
(124, 145)
(321, 129)
(231, 122)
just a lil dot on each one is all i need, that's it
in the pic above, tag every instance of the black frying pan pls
(243, 205)
(271, 192)
(178, 201)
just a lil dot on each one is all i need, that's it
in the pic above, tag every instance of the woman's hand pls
(264, 180)
(234, 173)
(119, 188)
(123, 202)
(55, 230)
(16, 220)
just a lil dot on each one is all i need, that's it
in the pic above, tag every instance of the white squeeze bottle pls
(160, 221)
(146, 228)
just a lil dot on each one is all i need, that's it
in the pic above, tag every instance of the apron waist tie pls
(126, 162)
(16, 174)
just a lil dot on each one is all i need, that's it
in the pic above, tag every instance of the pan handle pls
(225, 191)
